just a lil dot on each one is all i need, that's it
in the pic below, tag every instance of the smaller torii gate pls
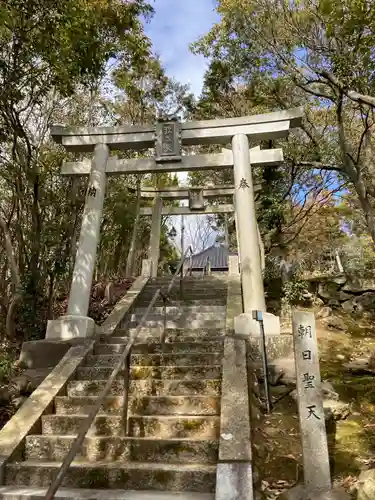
(196, 196)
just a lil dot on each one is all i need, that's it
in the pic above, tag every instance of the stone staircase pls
(171, 448)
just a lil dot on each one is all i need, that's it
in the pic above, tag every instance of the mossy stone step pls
(133, 475)
(141, 405)
(167, 359)
(147, 387)
(126, 449)
(162, 372)
(167, 427)
(168, 347)
(184, 322)
(204, 332)
(163, 427)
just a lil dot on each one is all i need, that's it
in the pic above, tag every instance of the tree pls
(49, 53)
(323, 54)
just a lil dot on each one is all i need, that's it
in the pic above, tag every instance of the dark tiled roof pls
(218, 255)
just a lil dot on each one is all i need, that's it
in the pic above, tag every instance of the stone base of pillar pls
(146, 268)
(245, 326)
(278, 346)
(70, 327)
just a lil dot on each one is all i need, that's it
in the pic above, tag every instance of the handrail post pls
(181, 282)
(125, 403)
(162, 337)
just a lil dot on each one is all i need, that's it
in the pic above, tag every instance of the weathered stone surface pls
(339, 409)
(366, 485)
(70, 327)
(245, 326)
(310, 403)
(107, 448)
(359, 286)
(43, 353)
(235, 425)
(167, 359)
(334, 322)
(325, 312)
(343, 296)
(328, 289)
(234, 481)
(161, 477)
(278, 346)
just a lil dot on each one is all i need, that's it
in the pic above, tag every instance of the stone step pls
(168, 347)
(173, 427)
(196, 323)
(161, 426)
(162, 372)
(132, 475)
(203, 300)
(204, 333)
(167, 359)
(147, 387)
(96, 449)
(182, 309)
(210, 292)
(103, 425)
(145, 339)
(141, 405)
(196, 283)
(29, 493)
(209, 296)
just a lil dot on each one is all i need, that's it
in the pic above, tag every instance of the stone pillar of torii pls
(168, 137)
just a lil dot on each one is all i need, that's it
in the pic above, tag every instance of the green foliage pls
(6, 364)
(268, 55)
(294, 291)
(63, 43)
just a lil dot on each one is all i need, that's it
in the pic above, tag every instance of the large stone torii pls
(167, 138)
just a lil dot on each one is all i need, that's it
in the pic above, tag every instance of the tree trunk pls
(131, 255)
(353, 171)
(16, 281)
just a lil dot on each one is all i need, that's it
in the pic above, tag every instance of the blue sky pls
(175, 25)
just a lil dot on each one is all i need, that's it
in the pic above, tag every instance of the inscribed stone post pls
(310, 403)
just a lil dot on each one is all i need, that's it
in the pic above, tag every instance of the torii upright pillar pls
(154, 246)
(251, 265)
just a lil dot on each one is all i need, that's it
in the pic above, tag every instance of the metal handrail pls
(166, 296)
(77, 443)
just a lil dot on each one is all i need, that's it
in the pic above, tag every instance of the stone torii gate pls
(197, 195)
(167, 138)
